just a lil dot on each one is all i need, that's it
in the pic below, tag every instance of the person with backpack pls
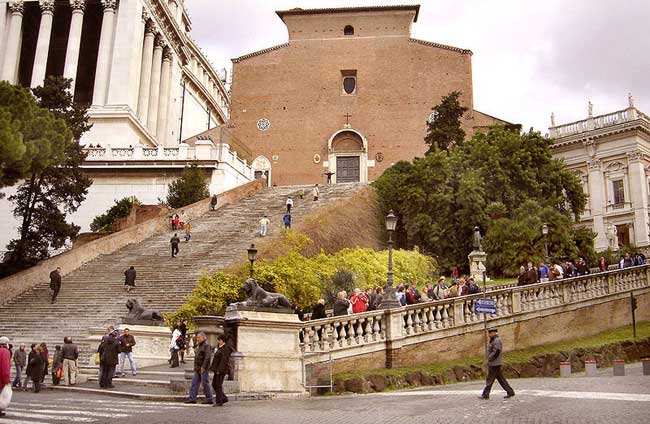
(175, 241)
(473, 286)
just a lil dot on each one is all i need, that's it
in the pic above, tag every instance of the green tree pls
(440, 198)
(30, 137)
(444, 129)
(53, 187)
(191, 187)
(121, 209)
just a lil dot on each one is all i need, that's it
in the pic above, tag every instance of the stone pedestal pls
(268, 356)
(477, 259)
(151, 343)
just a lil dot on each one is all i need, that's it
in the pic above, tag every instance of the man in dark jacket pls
(129, 279)
(55, 283)
(20, 361)
(127, 341)
(220, 365)
(202, 356)
(532, 274)
(36, 367)
(494, 363)
(108, 359)
(28, 370)
(174, 242)
(70, 353)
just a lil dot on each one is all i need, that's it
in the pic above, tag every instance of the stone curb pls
(158, 398)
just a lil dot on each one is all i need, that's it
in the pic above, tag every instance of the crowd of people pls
(556, 270)
(33, 366)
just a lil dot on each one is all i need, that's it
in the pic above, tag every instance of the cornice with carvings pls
(169, 27)
(641, 125)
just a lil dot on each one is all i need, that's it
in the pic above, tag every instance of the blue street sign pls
(485, 306)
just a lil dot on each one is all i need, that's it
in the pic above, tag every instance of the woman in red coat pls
(5, 366)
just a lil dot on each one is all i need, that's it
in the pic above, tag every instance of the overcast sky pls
(531, 57)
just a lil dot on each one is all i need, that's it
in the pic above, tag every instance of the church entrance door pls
(347, 169)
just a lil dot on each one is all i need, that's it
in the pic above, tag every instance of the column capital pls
(635, 156)
(594, 164)
(168, 54)
(109, 5)
(16, 6)
(159, 43)
(78, 5)
(150, 28)
(145, 15)
(47, 6)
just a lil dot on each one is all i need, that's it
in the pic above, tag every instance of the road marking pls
(143, 408)
(11, 413)
(633, 397)
(122, 402)
(6, 420)
(73, 412)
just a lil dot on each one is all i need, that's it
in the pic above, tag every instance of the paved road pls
(576, 400)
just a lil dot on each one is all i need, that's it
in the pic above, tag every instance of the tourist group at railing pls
(359, 319)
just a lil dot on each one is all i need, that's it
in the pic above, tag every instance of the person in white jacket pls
(174, 346)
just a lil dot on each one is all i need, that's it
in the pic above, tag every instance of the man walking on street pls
(220, 368)
(20, 360)
(174, 242)
(494, 363)
(70, 356)
(202, 358)
(126, 351)
(55, 283)
(289, 204)
(315, 192)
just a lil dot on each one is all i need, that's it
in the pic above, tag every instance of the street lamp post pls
(389, 299)
(545, 234)
(252, 252)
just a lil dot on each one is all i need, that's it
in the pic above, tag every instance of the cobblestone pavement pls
(603, 399)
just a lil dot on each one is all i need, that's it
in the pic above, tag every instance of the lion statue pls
(137, 311)
(257, 296)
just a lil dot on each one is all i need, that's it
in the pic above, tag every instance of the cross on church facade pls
(347, 117)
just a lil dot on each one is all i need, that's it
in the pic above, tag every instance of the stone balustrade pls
(356, 334)
(596, 122)
(202, 151)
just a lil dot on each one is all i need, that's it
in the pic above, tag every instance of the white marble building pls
(150, 88)
(611, 154)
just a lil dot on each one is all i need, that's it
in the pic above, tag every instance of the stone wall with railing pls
(203, 150)
(596, 122)
(450, 329)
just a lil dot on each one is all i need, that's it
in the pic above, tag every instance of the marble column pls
(154, 92)
(74, 41)
(43, 43)
(165, 82)
(10, 64)
(597, 203)
(126, 57)
(145, 71)
(638, 183)
(103, 69)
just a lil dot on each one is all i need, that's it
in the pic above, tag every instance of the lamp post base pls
(389, 301)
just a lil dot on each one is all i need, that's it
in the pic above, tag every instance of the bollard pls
(565, 369)
(646, 366)
(590, 369)
(619, 367)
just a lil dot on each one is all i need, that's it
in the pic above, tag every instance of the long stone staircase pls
(94, 295)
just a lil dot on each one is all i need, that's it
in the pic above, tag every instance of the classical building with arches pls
(350, 92)
(611, 154)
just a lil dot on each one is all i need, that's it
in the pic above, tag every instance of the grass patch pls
(616, 335)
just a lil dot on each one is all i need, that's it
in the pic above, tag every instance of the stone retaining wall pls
(14, 285)
(540, 366)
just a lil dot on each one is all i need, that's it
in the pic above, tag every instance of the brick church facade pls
(349, 93)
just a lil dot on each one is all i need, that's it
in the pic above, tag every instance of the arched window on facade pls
(348, 30)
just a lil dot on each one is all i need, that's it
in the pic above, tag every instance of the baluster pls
(415, 317)
(500, 308)
(409, 323)
(444, 315)
(437, 316)
(431, 317)
(376, 328)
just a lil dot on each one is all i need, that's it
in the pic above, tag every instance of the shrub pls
(305, 279)
(191, 187)
(121, 209)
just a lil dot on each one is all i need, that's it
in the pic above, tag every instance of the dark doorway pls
(347, 169)
(265, 174)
